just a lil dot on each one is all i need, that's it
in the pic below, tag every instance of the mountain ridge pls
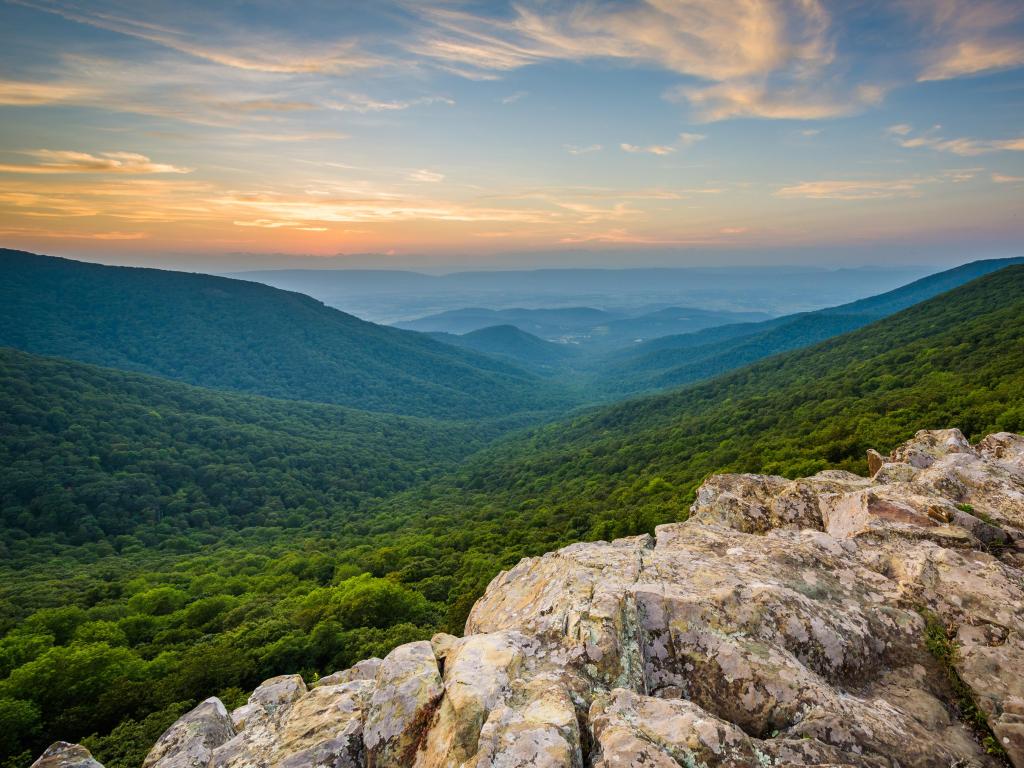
(678, 360)
(246, 336)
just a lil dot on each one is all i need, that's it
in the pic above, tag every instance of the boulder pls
(408, 688)
(61, 754)
(363, 670)
(191, 740)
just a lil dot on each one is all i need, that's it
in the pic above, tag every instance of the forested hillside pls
(586, 327)
(237, 335)
(622, 469)
(94, 642)
(672, 361)
(521, 347)
(91, 454)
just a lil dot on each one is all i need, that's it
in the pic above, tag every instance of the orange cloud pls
(62, 161)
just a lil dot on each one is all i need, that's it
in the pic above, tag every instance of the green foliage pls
(244, 336)
(675, 360)
(128, 744)
(135, 461)
(939, 640)
(276, 538)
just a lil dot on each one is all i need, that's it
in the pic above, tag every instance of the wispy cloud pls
(63, 161)
(653, 149)
(514, 97)
(801, 102)
(714, 39)
(254, 55)
(364, 104)
(965, 147)
(758, 58)
(54, 234)
(573, 149)
(1002, 178)
(689, 139)
(22, 94)
(683, 141)
(973, 57)
(426, 175)
(867, 189)
(971, 36)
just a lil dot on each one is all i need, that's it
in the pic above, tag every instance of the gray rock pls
(408, 688)
(61, 754)
(190, 741)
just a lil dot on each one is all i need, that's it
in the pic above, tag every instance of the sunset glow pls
(458, 130)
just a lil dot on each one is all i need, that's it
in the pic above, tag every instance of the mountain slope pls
(677, 360)
(592, 329)
(955, 359)
(509, 342)
(215, 612)
(243, 336)
(89, 454)
(542, 322)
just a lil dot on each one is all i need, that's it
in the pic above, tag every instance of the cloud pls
(728, 100)
(62, 161)
(713, 39)
(853, 190)
(426, 175)
(255, 55)
(573, 149)
(50, 233)
(1000, 178)
(758, 58)
(291, 137)
(364, 104)
(965, 147)
(683, 141)
(900, 129)
(974, 57)
(22, 94)
(810, 132)
(970, 37)
(270, 105)
(654, 149)
(513, 98)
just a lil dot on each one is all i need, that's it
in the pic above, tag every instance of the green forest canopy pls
(248, 337)
(117, 646)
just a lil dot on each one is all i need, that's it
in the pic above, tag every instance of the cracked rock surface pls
(784, 624)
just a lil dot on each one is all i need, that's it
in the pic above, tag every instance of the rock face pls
(60, 754)
(829, 621)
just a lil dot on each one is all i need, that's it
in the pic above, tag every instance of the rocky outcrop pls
(60, 754)
(833, 620)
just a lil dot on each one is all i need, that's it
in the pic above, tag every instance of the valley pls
(169, 541)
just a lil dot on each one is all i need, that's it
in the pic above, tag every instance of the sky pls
(537, 133)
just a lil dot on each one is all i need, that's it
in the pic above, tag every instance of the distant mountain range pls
(388, 296)
(583, 326)
(508, 341)
(248, 337)
(672, 361)
(957, 358)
